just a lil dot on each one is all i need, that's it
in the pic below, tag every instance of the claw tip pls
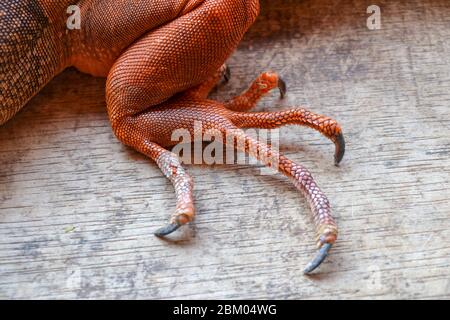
(340, 149)
(227, 75)
(318, 259)
(282, 87)
(168, 229)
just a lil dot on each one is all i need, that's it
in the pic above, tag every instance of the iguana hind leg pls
(146, 104)
(179, 58)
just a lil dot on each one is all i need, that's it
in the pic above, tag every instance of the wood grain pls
(77, 208)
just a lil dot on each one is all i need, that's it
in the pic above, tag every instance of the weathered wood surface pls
(77, 209)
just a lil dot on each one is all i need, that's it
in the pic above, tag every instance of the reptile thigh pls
(30, 54)
(176, 56)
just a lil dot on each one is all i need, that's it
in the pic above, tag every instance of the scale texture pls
(77, 208)
(161, 61)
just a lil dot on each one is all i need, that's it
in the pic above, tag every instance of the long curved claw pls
(318, 259)
(168, 229)
(282, 87)
(340, 149)
(227, 74)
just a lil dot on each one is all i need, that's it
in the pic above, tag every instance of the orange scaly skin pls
(161, 59)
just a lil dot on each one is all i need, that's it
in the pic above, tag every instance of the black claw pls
(227, 74)
(168, 229)
(318, 259)
(340, 149)
(282, 87)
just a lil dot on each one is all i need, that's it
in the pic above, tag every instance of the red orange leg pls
(152, 70)
(144, 105)
(297, 116)
(260, 87)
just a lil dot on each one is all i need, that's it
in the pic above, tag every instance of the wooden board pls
(77, 208)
